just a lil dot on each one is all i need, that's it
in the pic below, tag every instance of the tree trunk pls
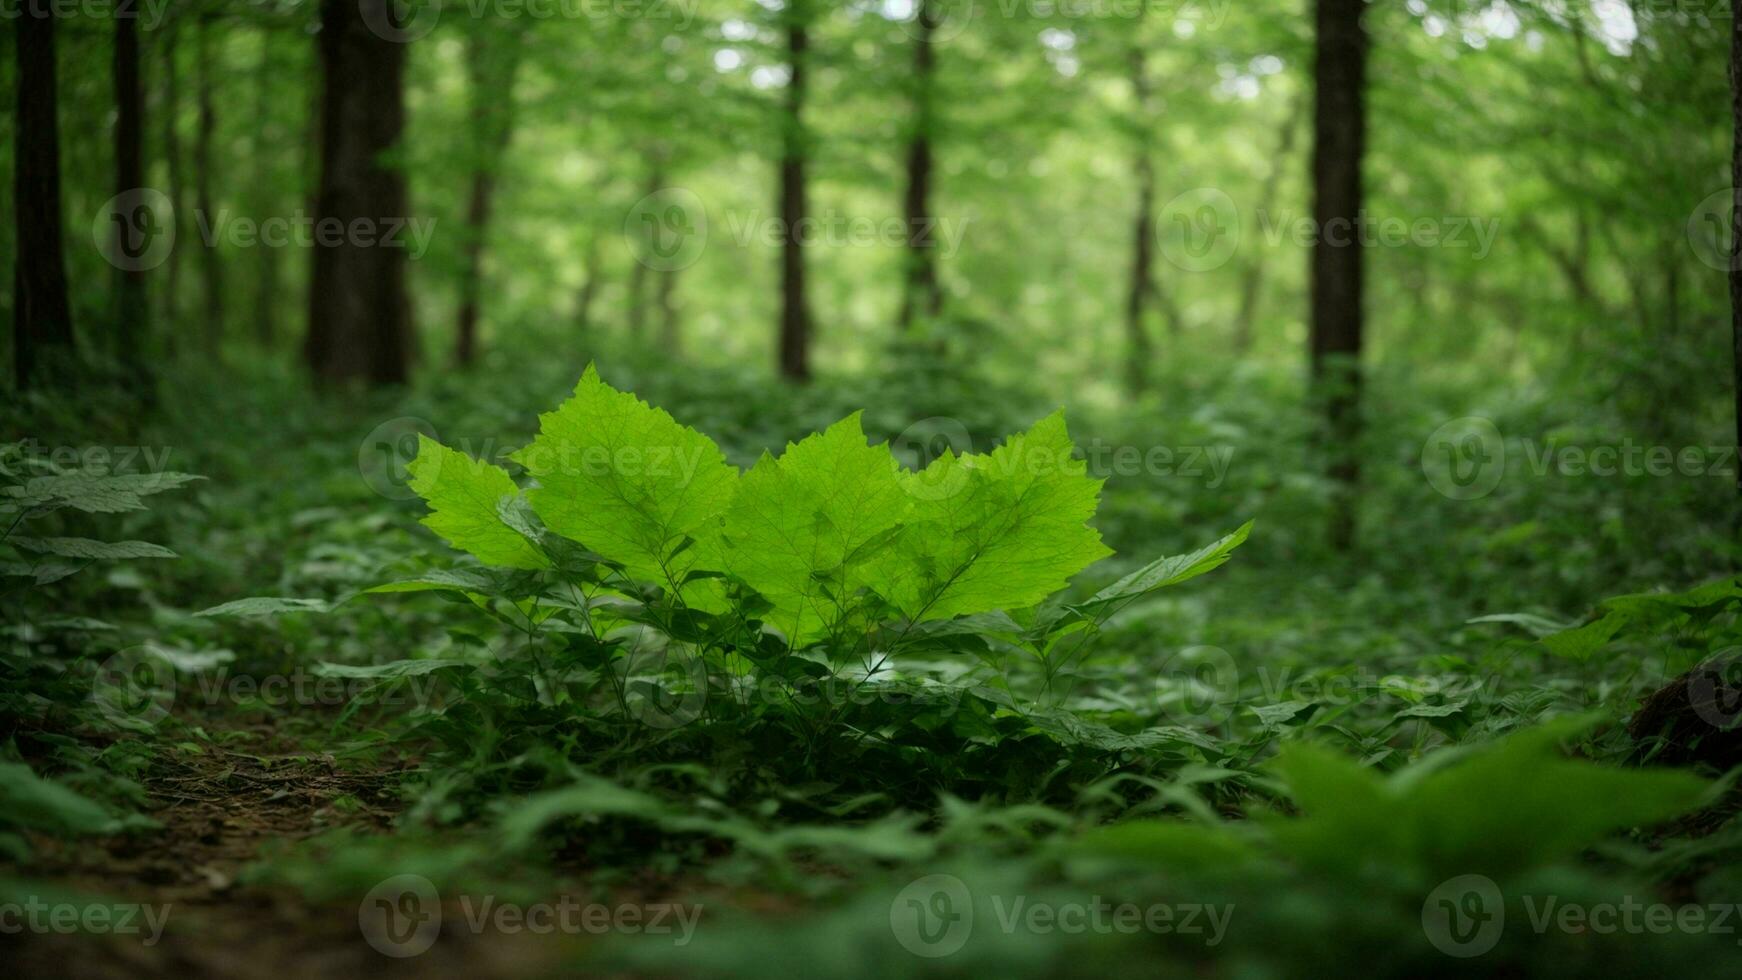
(211, 262)
(490, 75)
(42, 320)
(1139, 350)
(1736, 215)
(670, 333)
(266, 85)
(1252, 279)
(795, 321)
(644, 254)
(472, 276)
(1339, 137)
(921, 295)
(591, 268)
(359, 314)
(131, 311)
(170, 111)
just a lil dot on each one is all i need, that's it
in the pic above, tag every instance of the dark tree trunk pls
(211, 262)
(1252, 277)
(170, 111)
(472, 277)
(592, 269)
(131, 311)
(359, 314)
(670, 332)
(795, 321)
(1339, 137)
(921, 295)
(644, 255)
(42, 320)
(265, 147)
(1736, 214)
(1139, 350)
(490, 75)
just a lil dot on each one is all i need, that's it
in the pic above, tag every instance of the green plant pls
(642, 578)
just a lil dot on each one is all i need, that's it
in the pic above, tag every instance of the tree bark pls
(1736, 216)
(921, 295)
(1252, 278)
(638, 272)
(472, 276)
(592, 269)
(670, 331)
(170, 111)
(43, 324)
(211, 263)
(1339, 138)
(795, 321)
(490, 75)
(359, 314)
(266, 285)
(1143, 286)
(131, 310)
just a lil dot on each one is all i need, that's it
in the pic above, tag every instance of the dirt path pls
(187, 913)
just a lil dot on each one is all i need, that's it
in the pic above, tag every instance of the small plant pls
(642, 576)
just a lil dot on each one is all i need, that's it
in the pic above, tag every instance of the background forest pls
(1414, 313)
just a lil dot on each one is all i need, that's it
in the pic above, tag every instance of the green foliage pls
(645, 582)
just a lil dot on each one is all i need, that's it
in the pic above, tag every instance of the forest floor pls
(255, 839)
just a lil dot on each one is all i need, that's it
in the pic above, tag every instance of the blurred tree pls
(359, 315)
(493, 55)
(131, 310)
(1252, 276)
(1339, 138)
(1736, 215)
(266, 143)
(43, 323)
(1139, 350)
(169, 112)
(211, 265)
(795, 317)
(920, 294)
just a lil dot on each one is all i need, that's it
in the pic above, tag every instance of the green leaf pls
(629, 482)
(1494, 809)
(87, 548)
(1629, 613)
(1000, 531)
(465, 496)
(1163, 572)
(1169, 844)
(264, 606)
(476, 581)
(393, 669)
(803, 529)
(96, 494)
(32, 802)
